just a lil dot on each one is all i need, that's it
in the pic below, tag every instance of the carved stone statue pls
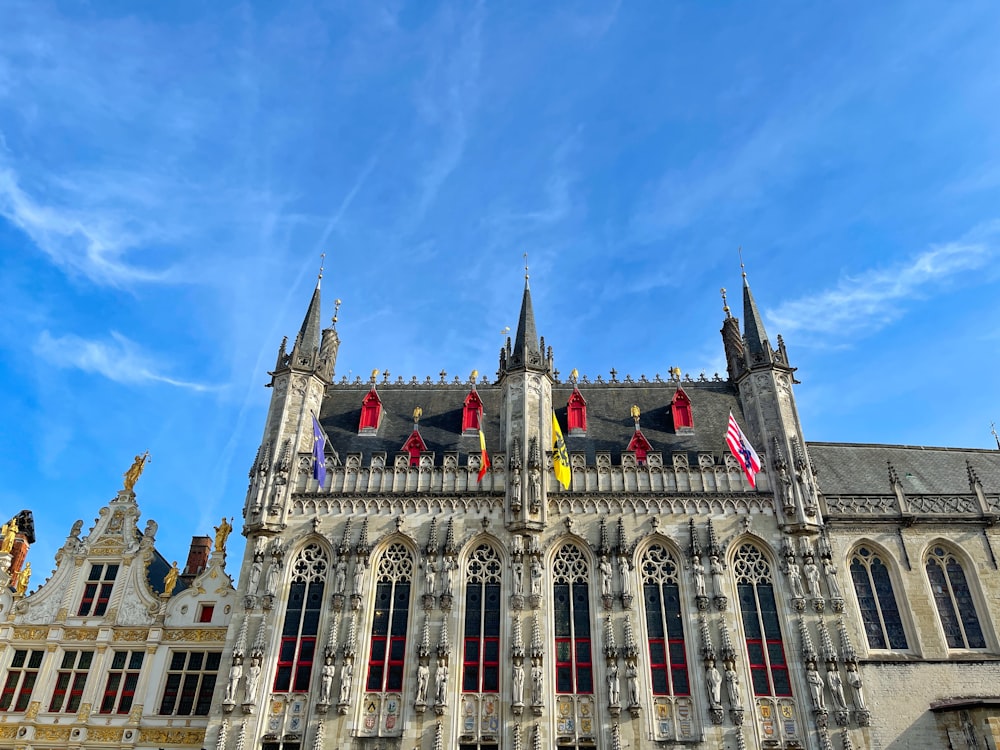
(430, 576)
(857, 687)
(536, 576)
(812, 578)
(795, 580)
(517, 568)
(449, 573)
(235, 673)
(515, 490)
(714, 685)
(536, 684)
(77, 528)
(534, 476)
(326, 684)
(259, 545)
(170, 579)
(135, 471)
(816, 689)
(836, 686)
(346, 673)
(518, 685)
(605, 567)
(623, 571)
(273, 571)
(222, 532)
(256, 568)
(359, 577)
(715, 565)
(699, 577)
(340, 577)
(831, 580)
(252, 681)
(633, 684)
(614, 685)
(441, 683)
(733, 688)
(423, 676)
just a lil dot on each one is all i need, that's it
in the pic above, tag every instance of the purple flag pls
(319, 453)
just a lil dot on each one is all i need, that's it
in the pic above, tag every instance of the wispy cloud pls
(867, 302)
(118, 359)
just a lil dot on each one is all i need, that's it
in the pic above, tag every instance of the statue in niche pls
(359, 577)
(534, 477)
(346, 673)
(254, 580)
(272, 578)
(714, 685)
(857, 687)
(441, 683)
(836, 685)
(518, 685)
(536, 684)
(515, 491)
(326, 685)
(811, 571)
(715, 565)
(623, 570)
(259, 545)
(430, 576)
(633, 684)
(605, 568)
(449, 573)
(794, 579)
(816, 689)
(733, 687)
(252, 682)
(340, 577)
(235, 673)
(831, 580)
(614, 685)
(423, 676)
(536, 576)
(517, 567)
(699, 577)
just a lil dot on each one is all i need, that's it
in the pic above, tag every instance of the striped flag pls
(560, 456)
(319, 452)
(485, 463)
(743, 451)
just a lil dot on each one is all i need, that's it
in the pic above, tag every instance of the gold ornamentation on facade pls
(107, 547)
(8, 732)
(81, 634)
(104, 734)
(30, 634)
(131, 635)
(135, 471)
(135, 715)
(52, 734)
(33, 708)
(194, 737)
(84, 713)
(198, 636)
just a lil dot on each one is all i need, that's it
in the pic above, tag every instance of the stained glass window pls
(664, 627)
(954, 600)
(877, 600)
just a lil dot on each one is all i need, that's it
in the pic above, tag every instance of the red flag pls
(485, 465)
(743, 451)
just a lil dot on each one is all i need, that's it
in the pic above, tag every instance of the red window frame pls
(70, 681)
(206, 613)
(119, 690)
(680, 408)
(371, 412)
(472, 412)
(97, 590)
(21, 678)
(576, 412)
(573, 656)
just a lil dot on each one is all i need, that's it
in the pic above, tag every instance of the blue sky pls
(170, 174)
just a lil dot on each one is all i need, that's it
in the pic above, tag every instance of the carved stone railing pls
(875, 505)
(909, 506)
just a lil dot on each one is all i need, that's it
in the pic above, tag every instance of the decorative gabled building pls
(114, 649)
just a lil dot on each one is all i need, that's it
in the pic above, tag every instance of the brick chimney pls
(201, 548)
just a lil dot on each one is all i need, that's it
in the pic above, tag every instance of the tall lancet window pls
(571, 605)
(301, 625)
(664, 628)
(879, 612)
(481, 646)
(765, 650)
(954, 601)
(393, 580)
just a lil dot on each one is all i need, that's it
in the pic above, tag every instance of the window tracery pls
(571, 605)
(664, 627)
(955, 606)
(481, 644)
(393, 582)
(761, 627)
(879, 611)
(301, 624)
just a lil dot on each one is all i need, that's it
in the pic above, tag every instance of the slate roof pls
(609, 424)
(848, 468)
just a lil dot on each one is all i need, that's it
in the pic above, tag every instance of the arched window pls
(765, 650)
(393, 580)
(954, 600)
(298, 633)
(571, 604)
(371, 413)
(879, 611)
(481, 646)
(680, 409)
(576, 413)
(664, 629)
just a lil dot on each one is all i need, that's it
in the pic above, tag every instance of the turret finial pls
(322, 264)
(725, 302)
(993, 429)
(743, 269)
(525, 268)
(336, 311)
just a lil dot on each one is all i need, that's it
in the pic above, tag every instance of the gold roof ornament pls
(634, 411)
(675, 373)
(474, 375)
(374, 375)
(135, 471)
(417, 414)
(574, 375)
(222, 532)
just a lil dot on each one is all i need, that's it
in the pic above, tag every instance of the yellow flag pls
(560, 456)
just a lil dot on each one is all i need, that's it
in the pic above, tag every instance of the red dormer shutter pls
(414, 446)
(680, 408)
(576, 413)
(371, 414)
(472, 413)
(640, 446)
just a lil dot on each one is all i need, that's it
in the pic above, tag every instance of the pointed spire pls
(318, 739)
(707, 648)
(610, 646)
(846, 648)
(695, 542)
(259, 642)
(439, 737)
(331, 640)
(449, 538)
(241, 640)
(845, 739)
(432, 537)
(728, 652)
(425, 639)
(826, 643)
(306, 347)
(351, 644)
(631, 648)
(517, 737)
(808, 651)
(517, 639)
(536, 637)
(616, 737)
(526, 350)
(536, 740)
(444, 644)
(753, 326)
(220, 742)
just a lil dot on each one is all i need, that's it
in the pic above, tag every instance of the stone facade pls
(623, 586)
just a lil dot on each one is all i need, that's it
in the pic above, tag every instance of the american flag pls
(743, 451)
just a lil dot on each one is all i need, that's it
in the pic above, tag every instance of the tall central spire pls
(526, 350)
(306, 347)
(753, 325)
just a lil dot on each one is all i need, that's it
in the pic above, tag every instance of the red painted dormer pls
(640, 446)
(576, 413)
(414, 445)
(680, 408)
(472, 413)
(371, 413)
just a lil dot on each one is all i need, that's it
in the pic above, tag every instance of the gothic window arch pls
(761, 625)
(571, 609)
(390, 619)
(481, 642)
(953, 597)
(301, 623)
(880, 612)
(664, 624)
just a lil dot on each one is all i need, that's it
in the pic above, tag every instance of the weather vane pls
(993, 429)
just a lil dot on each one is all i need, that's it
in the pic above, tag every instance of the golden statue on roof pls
(7, 535)
(135, 471)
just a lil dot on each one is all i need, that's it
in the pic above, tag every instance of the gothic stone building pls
(400, 596)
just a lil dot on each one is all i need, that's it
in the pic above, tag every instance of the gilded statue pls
(7, 535)
(22, 581)
(135, 471)
(221, 534)
(170, 579)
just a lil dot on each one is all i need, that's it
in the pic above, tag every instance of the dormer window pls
(680, 408)
(576, 413)
(472, 413)
(640, 446)
(414, 446)
(371, 414)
